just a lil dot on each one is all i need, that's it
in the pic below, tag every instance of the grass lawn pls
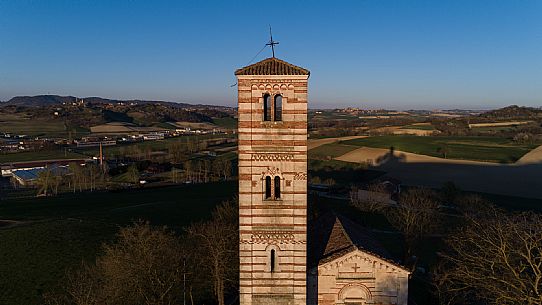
(492, 149)
(332, 150)
(62, 231)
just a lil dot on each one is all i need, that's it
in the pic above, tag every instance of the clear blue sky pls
(390, 54)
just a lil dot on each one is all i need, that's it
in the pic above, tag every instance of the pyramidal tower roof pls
(272, 66)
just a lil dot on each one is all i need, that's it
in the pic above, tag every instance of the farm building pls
(7, 169)
(28, 177)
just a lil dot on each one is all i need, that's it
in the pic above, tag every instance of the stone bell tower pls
(273, 183)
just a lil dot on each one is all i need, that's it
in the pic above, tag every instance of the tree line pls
(490, 255)
(153, 265)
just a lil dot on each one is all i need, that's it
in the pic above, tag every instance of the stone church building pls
(283, 259)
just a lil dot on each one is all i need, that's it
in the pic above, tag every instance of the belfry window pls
(272, 260)
(267, 107)
(277, 107)
(277, 187)
(268, 187)
(272, 108)
(272, 188)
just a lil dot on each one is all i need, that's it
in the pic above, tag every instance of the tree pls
(376, 198)
(189, 168)
(495, 258)
(75, 173)
(44, 182)
(144, 266)
(415, 215)
(177, 151)
(219, 240)
(133, 173)
(174, 175)
(444, 150)
(449, 192)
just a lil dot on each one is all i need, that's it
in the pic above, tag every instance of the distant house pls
(348, 266)
(84, 144)
(153, 136)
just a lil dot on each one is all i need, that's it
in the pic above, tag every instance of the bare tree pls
(133, 174)
(44, 182)
(219, 240)
(495, 259)
(374, 199)
(415, 215)
(177, 151)
(144, 266)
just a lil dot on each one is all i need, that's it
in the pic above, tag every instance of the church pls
(284, 259)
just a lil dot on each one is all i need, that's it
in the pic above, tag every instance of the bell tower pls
(272, 109)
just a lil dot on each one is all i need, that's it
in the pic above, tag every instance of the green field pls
(153, 145)
(39, 155)
(491, 149)
(57, 233)
(227, 122)
(331, 150)
(22, 124)
(419, 127)
(108, 150)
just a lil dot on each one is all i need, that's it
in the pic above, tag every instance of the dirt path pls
(534, 156)
(313, 143)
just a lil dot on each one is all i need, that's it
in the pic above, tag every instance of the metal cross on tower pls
(272, 43)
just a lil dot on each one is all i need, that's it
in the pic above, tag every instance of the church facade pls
(274, 266)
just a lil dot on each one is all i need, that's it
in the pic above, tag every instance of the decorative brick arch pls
(359, 291)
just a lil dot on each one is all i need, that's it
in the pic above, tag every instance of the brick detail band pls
(300, 176)
(272, 157)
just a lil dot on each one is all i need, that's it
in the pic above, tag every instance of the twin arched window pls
(272, 188)
(272, 109)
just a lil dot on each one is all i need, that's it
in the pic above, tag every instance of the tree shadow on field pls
(521, 180)
(391, 157)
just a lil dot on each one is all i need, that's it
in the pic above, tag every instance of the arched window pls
(277, 187)
(267, 107)
(277, 107)
(268, 187)
(272, 260)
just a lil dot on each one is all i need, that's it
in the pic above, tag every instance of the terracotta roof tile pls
(334, 236)
(272, 66)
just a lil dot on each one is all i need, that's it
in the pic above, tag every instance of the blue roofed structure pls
(28, 177)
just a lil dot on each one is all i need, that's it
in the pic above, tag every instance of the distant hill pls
(513, 112)
(48, 100)
(91, 111)
(39, 100)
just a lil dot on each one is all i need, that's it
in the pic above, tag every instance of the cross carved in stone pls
(356, 267)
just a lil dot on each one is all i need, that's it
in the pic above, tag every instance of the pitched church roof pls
(334, 236)
(272, 66)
